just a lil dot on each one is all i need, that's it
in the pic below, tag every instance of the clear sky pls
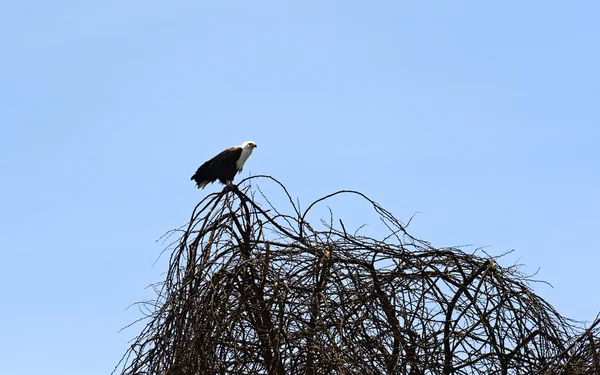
(484, 117)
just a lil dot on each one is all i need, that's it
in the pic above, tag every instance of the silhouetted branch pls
(251, 289)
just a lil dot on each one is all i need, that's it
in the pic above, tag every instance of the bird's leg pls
(231, 186)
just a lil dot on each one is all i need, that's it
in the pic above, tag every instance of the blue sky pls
(481, 116)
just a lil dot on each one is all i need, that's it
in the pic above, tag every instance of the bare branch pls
(251, 289)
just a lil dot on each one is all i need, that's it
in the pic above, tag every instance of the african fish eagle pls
(224, 166)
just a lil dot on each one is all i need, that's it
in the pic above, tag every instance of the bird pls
(224, 166)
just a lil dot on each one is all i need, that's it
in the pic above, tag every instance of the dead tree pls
(254, 290)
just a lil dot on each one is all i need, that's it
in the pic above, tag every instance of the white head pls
(247, 148)
(249, 145)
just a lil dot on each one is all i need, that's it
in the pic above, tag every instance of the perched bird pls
(224, 166)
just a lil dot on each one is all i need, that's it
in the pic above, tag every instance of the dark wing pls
(221, 166)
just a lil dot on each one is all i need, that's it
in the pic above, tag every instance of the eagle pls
(224, 166)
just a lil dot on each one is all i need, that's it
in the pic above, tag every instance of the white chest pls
(243, 157)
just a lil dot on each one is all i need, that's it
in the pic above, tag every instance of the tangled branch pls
(252, 290)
